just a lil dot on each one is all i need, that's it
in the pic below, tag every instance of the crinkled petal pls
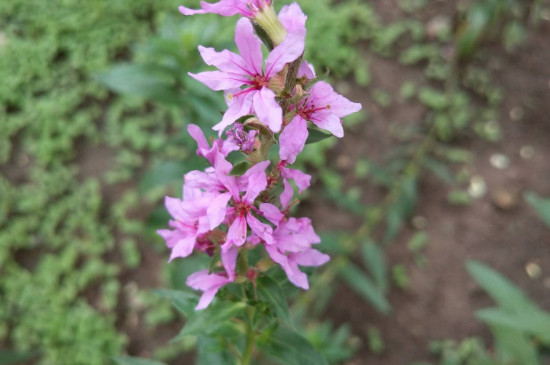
(223, 7)
(325, 119)
(293, 139)
(239, 106)
(216, 210)
(307, 70)
(287, 194)
(309, 257)
(301, 179)
(175, 208)
(236, 234)
(229, 260)
(292, 271)
(286, 52)
(255, 169)
(293, 19)
(323, 95)
(209, 284)
(198, 135)
(267, 109)
(271, 213)
(256, 184)
(250, 47)
(219, 80)
(183, 248)
(262, 230)
(225, 60)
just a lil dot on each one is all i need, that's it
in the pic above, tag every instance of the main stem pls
(250, 334)
(250, 337)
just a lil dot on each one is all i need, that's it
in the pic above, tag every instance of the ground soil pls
(442, 298)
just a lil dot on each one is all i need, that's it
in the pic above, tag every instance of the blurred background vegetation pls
(94, 101)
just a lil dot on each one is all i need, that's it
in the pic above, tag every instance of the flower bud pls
(268, 21)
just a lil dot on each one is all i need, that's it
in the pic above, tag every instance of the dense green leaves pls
(211, 319)
(288, 347)
(270, 291)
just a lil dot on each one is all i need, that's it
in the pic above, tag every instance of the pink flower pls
(209, 284)
(292, 240)
(301, 179)
(228, 7)
(204, 149)
(324, 108)
(236, 71)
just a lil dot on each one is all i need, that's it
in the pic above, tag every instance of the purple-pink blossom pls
(324, 108)
(246, 70)
(246, 8)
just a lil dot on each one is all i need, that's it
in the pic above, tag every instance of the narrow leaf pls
(374, 260)
(290, 348)
(541, 206)
(363, 285)
(209, 320)
(270, 291)
(315, 135)
(503, 292)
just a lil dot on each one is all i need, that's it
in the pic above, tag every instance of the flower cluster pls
(224, 211)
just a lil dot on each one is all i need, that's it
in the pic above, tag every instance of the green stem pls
(250, 337)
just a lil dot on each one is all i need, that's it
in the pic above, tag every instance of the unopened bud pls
(268, 21)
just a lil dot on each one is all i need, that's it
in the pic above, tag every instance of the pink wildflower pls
(236, 71)
(324, 108)
(246, 8)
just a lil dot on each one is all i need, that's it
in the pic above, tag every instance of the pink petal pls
(288, 51)
(309, 257)
(301, 179)
(256, 184)
(325, 119)
(262, 230)
(225, 60)
(293, 18)
(239, 107)
(271, 213)
(183, 248)
(292, 271)
(216, 210)
(324, 95)
(208, 283)
(306, 70)
(293, 139)
(267, 109)
(236, 234)
(287, 194)
(219, 80)
(175, 208)
(197, 134)
(229, 260)
(250, 47)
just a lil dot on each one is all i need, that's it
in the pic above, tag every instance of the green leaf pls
(211, 319)
(290, 348)
(374, 260)
(363, 285)
(185, 302)
(210, 351)
(240, 168)
(541, 206)
(513, 347)
(401, 207)
(270, 291)
(315, 135)
(535, 323)
(126, 360)
(503, 292)
(146, 81)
